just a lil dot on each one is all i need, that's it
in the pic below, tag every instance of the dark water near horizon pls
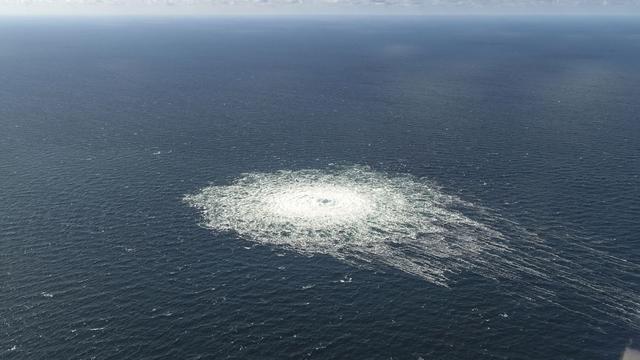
(105, 124)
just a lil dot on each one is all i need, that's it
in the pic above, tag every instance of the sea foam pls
(375, 219)
(353, 214)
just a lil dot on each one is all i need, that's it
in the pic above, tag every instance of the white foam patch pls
(373, 219)
(353, 214)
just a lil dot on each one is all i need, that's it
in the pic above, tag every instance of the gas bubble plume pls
(353, 214)
(371, 219)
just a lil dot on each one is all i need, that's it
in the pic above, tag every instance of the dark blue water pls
(105, 124)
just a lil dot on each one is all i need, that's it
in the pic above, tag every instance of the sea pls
(514, 139)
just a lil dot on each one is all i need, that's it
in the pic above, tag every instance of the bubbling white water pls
(319, 205)
(353, 214)
(373, 219)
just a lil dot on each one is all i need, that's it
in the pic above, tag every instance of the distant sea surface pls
(107, 123)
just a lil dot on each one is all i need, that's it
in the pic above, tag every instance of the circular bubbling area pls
(353, 214)
(319, 205)
(374, 219)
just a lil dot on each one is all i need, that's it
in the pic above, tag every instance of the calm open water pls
(106, 124)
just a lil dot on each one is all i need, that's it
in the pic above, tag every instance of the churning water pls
(370, 218)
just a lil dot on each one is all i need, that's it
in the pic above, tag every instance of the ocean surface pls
(133, 152)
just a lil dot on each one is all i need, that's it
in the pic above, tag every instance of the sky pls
(348, 7)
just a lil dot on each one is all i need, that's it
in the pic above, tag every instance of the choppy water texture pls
(492, 214)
